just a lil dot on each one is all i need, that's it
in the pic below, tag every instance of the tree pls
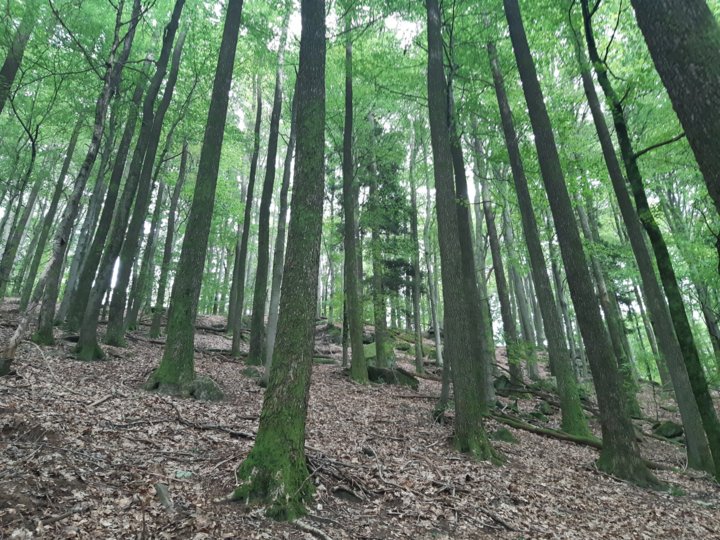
(275, 473)
(14, 57)
(176, 372)
(620, 455)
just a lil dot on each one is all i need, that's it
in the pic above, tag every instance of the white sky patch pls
(406, 31)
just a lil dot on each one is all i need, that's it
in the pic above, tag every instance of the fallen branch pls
(312, 530)
(547, 432)
(426, 376)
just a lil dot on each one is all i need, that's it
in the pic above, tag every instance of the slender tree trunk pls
(620, 455)
(258, 337)
(115, 331)
(460, 325)
(76, 298)
(573, 418)
(432, 284)
(169, 244)
(279, 252)
(18, 231)
(49, 218)
(237, 296)
(676, 305)
(51, 284)
(275, 473)
(176, 373)
(415, 288)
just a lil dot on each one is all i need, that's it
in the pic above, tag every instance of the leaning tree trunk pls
(620, 455)
(49, 219)
(17, 50)
(176, 372)
(573, 417)
(275, 472)
(237, 292)
(665, 268)
(50, 285)
(76, 298)
(115, 331)
(461, 351)
(256, 352)
(169, 244)
(684, 41)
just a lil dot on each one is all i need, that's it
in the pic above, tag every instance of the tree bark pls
(15, 54)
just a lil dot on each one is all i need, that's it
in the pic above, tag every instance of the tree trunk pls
(620, 455)
(49, 219)
(419, 362)
(115, 331)
(256, 353)
(279, 252)
(15, 54)
(50, 285)
(76, 298)
(169, 244)
(462, 352)
(676, 305)
(275, 472)
(573, 418)
(176, 372)
(237, 293)
(684, 41)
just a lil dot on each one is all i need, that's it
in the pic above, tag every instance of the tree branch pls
(658, 145)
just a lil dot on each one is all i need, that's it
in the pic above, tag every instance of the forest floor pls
(83, 451)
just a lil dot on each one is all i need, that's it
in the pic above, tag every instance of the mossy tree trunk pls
(275, 474)
(461, 351)
(16, 51)
(573, 418)
(665, 268)
(620, 455)
(417, 326)
(176, 372)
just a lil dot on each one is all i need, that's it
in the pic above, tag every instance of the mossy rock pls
(668, 429)
(403, 346)
(334, 333)
(205, 389)
(392, 376)
(503, 435)
(539, 416)
(251, 372)
(431, 353)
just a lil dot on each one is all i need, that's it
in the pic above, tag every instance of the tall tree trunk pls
(573, 417)
(684, 41)
(279, 251)
(430, 267)
(275, 473)
(237, 293)
(15, 54)
(49, 218)
(460, 348)
(670, 285)
(169, 244)
(176, 372)
(620, 455)
(415, 287)
(76, 298)
(256, 353)
(115, 64)
(115, 331)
